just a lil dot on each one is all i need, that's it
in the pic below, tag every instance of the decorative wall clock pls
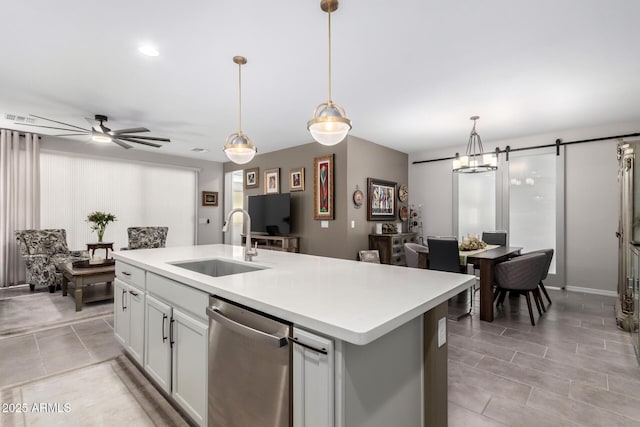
(358, 198)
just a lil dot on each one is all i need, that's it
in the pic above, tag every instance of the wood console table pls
(274, 243)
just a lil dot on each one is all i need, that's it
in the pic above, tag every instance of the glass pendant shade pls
(475, 160)
(239, 148)
(329, 125)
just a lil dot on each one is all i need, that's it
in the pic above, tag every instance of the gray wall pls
(591, 199)
(209, 177)
(355, 160)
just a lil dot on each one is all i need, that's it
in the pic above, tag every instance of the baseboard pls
(589, 291)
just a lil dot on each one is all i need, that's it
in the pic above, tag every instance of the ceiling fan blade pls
(150, 138)
(121, 143)
(53, 127)
(69, 134)
(150, 144)
(60, 123)
(132, 130)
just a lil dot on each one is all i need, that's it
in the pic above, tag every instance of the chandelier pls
(475, 160)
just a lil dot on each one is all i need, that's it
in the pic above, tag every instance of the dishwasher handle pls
(218, 316)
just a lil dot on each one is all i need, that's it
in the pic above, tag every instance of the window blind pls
(138, 194)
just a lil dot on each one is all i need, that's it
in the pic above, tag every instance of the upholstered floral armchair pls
(147, 237)
(42, 251)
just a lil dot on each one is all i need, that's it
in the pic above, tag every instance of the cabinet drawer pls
(397, 260)
(179, 295)
(130, 274)
(409, 239)
(395, 250)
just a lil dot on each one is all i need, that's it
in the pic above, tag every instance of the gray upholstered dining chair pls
(549, 256)
(495, 238)
(521, 275)
(371, 255)
(411, 254)
(147, 237)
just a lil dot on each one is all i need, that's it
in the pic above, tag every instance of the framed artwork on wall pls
(381, 200)
(209, 198)
(252, 178)
(272, 181)
(323, 187)
(296, 179)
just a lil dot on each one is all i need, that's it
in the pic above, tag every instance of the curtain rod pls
(22, 133)
(557, 144)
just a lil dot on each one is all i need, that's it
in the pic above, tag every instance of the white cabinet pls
(313, 380)
(129, 318)
(157, 361)
(176, 339)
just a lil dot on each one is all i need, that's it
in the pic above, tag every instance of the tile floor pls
(574, 368)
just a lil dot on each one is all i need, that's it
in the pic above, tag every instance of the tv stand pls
(274, 243)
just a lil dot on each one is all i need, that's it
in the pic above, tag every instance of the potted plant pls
(100, 221)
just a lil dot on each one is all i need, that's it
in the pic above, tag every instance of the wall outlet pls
(442, 332)
(324, 224)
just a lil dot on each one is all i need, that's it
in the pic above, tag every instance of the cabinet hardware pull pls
(171, 341)
(124, 307)
(135, 294)
(164, 317)
(319, 350)
(126, 273)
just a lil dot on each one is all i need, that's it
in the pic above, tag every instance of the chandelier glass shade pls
(238, 146)
(329, 124)
(475, 159)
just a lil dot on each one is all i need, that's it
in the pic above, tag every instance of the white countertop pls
(353, 301)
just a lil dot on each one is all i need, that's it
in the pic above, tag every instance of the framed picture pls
(381, 198)
(272, 181)
(296, 179)
(252, 178)
(209, 198)
(323, 187)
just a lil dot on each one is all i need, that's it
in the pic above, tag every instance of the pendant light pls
(238, 146)
(475, 160)
(329, 124)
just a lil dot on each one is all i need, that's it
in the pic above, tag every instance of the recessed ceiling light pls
(148, 50)
(200, 150)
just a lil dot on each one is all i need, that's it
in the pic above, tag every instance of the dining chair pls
(371, 255)
(495, 238)
(521, 275)
(549, 256)
(411, 253)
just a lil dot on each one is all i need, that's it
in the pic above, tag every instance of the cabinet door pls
(136, 323)
(190, 365)
(157, 357)
(313, 373)
(120, 312)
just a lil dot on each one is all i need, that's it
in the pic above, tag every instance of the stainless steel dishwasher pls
(249, 367)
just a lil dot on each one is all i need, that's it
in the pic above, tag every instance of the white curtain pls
(19, 198)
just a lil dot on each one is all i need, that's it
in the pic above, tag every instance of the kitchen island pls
(387, 365)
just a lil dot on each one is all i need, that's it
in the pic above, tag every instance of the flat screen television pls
(271, 214)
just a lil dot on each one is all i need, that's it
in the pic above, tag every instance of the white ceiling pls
(409, 73)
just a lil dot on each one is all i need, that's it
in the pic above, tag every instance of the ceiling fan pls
(100, 133)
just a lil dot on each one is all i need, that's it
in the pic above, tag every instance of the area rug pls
(26, 312)
(110, 393)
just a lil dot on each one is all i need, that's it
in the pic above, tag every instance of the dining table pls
(485, 260)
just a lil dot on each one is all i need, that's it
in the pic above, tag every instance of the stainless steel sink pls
(216, 267)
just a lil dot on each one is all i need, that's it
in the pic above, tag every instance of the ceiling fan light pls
(100, 138)
(148, 50)
(329, 125)
(239, 148)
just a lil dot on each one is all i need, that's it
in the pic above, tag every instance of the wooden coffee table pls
(81, 277)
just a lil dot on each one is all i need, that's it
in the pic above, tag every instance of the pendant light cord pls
(240, 99)
(329, 62)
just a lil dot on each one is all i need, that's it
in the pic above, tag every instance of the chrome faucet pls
(249, 252)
